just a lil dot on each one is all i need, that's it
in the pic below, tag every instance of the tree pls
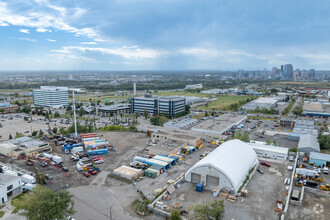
(10, 137)
(206, 114)
(81, 112)
(268, 142)
(175, 214)
(158, 120)
(34, 133)
(40, 177)
(274, 143)
(41, 132)
(45, 203)
(324, 141)
(145, 114)
(297, 110)
(26, 118)
(57, 115)
(211, 210)
(54, 130)
(47, 115)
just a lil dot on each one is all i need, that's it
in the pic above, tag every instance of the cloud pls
(25, 31)
(41, 30)
(89, 43)
(200, 52)
(51, 40)
(99, 40)
(42, 19)
(134, 53)
(3, 24)
(28, 39)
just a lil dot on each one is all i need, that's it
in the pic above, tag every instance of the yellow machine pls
(299, 184)
(200, 146)
(318, 179)
(325, 187)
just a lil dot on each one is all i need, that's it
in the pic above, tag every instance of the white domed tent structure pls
(227, 166)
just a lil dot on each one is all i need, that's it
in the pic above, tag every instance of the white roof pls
(319, 156)
(233, 159)
(258, 145)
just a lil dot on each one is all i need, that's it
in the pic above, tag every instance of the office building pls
(50, 96)
(288, 71)
(114, 109)
(10, 186)
(158, 105)
(6, 107)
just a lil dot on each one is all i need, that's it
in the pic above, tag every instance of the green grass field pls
(224, 101)
(181, 94)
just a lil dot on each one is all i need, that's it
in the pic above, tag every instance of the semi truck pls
(77, 150)
(306, 172)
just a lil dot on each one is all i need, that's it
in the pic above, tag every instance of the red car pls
(96, 159)
(86, 174)
(91, 171)
(265, 164)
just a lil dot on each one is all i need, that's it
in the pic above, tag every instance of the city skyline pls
(163, 35)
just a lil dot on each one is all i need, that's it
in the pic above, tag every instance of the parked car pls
(265, 164)
(86, 174)
(98, 161)
(48, 176)
(43, 163)
(260, 171)
(65, 169)
(91, 171)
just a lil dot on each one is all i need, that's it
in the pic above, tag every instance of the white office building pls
(10, 186)
(50, 96)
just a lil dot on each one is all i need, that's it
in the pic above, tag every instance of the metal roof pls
(308, 141)
(233, 159)
(257, 145)
(319, 156)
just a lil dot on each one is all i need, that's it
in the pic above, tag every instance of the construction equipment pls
(325, 187)
(318, 179)
(299, 184)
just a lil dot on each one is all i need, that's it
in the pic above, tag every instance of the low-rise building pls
(6, 108)
(302, 127)
(219, 125)
(308, 143)
(269, 151)
(319, 159)
(23, 146)
(114, 109)
(10, 186)
(261, 102)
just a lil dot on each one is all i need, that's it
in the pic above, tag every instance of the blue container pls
(199, 187)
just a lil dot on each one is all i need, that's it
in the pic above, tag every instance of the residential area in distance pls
(163, 144)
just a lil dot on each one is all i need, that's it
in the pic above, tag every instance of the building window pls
(10, 187)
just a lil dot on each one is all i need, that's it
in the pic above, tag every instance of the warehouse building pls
(302, 127)
(227, 166)
(269, 151)
(181, 124)
(308, 143)
(23, 146)
(114, 110)
(219, 125)
(179, 136)
(158, 105)
(50, 96)
(320, 160)
(261, 102)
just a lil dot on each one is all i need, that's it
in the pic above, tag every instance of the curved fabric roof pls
(233, 159)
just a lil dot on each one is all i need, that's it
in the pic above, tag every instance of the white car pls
(98, 161)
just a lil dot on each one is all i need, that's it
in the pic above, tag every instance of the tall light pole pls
(74, 115)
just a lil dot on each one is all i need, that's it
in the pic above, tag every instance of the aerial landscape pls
(164, 109)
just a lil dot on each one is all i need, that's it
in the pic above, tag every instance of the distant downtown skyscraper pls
(50, 96)
(288, 71)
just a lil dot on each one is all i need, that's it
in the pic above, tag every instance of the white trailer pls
(57, 159)
(29, 186)
(306, 172)
(26, 178)
(77, 150)
(10, 172)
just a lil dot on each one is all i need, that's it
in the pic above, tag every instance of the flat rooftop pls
(115, 107)
(161, 98)
(313, 106)
(219, 123)
(4, 179)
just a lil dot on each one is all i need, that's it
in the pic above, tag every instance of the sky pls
(163, 34)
